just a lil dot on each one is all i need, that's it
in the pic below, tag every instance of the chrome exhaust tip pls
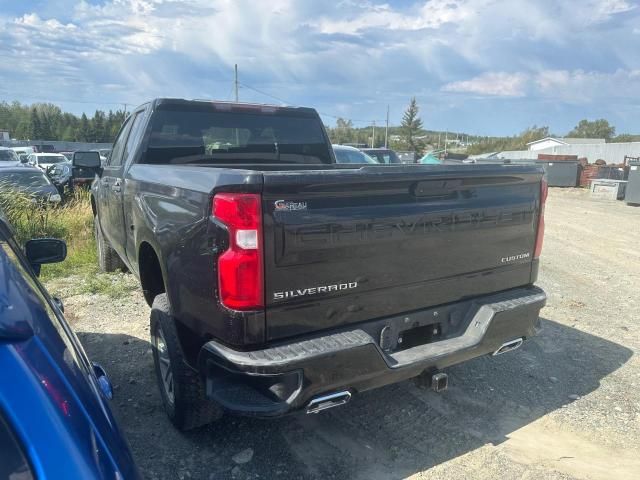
(328, 401)
(509, 346)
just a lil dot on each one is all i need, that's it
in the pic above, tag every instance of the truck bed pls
(357, 244)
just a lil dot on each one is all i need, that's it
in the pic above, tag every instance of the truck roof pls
(226, 105)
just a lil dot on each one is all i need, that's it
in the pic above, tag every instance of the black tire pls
(185, 403)
(108, 259)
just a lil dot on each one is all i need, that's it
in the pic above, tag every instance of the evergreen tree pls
(98, 127)
(84, 130)
(411, 126)
(35, 128)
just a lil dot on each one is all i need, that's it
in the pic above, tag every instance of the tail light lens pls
(544, 190)
(240, 267)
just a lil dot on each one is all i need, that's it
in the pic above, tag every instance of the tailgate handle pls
(437, 188)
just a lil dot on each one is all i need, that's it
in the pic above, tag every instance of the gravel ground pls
(564, 406)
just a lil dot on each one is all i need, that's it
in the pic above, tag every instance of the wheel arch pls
(150, 270)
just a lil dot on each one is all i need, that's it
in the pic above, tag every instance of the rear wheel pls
(181, 388)
(108, 259)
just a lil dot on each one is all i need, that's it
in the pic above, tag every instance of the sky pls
(486, 67)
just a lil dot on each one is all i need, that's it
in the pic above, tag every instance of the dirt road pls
(566, 405)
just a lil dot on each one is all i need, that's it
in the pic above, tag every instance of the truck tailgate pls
(343, 246)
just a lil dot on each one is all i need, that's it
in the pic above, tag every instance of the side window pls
(116, 154)
(134, 136)
(13, 462)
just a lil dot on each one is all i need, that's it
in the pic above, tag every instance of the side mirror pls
(86, 160)
(23, 159)
(44, 250)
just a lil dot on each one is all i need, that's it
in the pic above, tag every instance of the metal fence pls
(58, 146)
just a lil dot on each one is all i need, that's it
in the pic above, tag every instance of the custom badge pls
(285, 206)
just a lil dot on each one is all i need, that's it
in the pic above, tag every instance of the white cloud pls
(568, 86)
(348, 56)
(580, 87)
(498, 84)
(600, 11)
(432, 14)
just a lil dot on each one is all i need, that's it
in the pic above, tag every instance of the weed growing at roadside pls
(72, 222)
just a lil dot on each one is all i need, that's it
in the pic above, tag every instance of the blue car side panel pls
(46, 440)
(49, 393)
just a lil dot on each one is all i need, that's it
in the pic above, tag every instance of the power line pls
(266, 94)
(285, 102)
(235, 87)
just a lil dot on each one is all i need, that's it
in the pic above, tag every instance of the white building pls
(549, 142)
(609, 152)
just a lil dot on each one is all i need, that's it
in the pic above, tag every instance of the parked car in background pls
(56, 166)
(84, 176)
(382, 155)
(23, 150)
(345, 154)
(60, 175)
(29, 180)
(104, 154)
(45, 160)
(430, 159)
(55, 419)
(44, 148)
(9, 158)
(279, 281)
(407, 157)
(69, 155)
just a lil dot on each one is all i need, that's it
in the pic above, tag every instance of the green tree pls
(411, 126)
(84, 130)
(626, 137)
(534, 133)
(593, 129)
(344, 131)
(35, 128)
(68, 134)
(23, 131)
(98, 126)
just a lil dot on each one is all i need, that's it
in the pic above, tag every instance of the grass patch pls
(114, 285)
(72, 222)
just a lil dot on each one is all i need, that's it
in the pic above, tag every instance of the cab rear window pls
(203, 134)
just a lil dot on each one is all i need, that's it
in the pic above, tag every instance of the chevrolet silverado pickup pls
(281, 281)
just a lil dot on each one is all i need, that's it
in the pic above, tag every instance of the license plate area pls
(418, 335)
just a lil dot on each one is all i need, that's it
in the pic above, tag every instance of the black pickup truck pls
(281, 281)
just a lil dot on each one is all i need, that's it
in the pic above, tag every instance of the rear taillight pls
(240, 275)
(544, 190)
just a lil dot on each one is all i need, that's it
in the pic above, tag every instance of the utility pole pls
(446, 140)
(373, 136)
(125, 110)
(236, 81)
(386, 131)
(439, 133)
